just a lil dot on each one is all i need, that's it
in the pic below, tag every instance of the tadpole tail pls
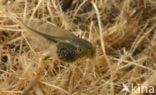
(45, 36)
(49, 38)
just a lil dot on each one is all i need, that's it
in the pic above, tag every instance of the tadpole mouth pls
(92, 52)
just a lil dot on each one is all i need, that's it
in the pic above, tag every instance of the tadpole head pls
(85, 49)
(70, 52)
(66, 52)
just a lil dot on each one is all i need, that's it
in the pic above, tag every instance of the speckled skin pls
(69, 47)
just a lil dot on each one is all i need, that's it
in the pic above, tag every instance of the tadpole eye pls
(78, 50)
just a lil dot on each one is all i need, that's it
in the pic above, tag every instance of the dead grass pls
(123, 32)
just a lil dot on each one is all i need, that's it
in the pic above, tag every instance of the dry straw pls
(123, 32)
